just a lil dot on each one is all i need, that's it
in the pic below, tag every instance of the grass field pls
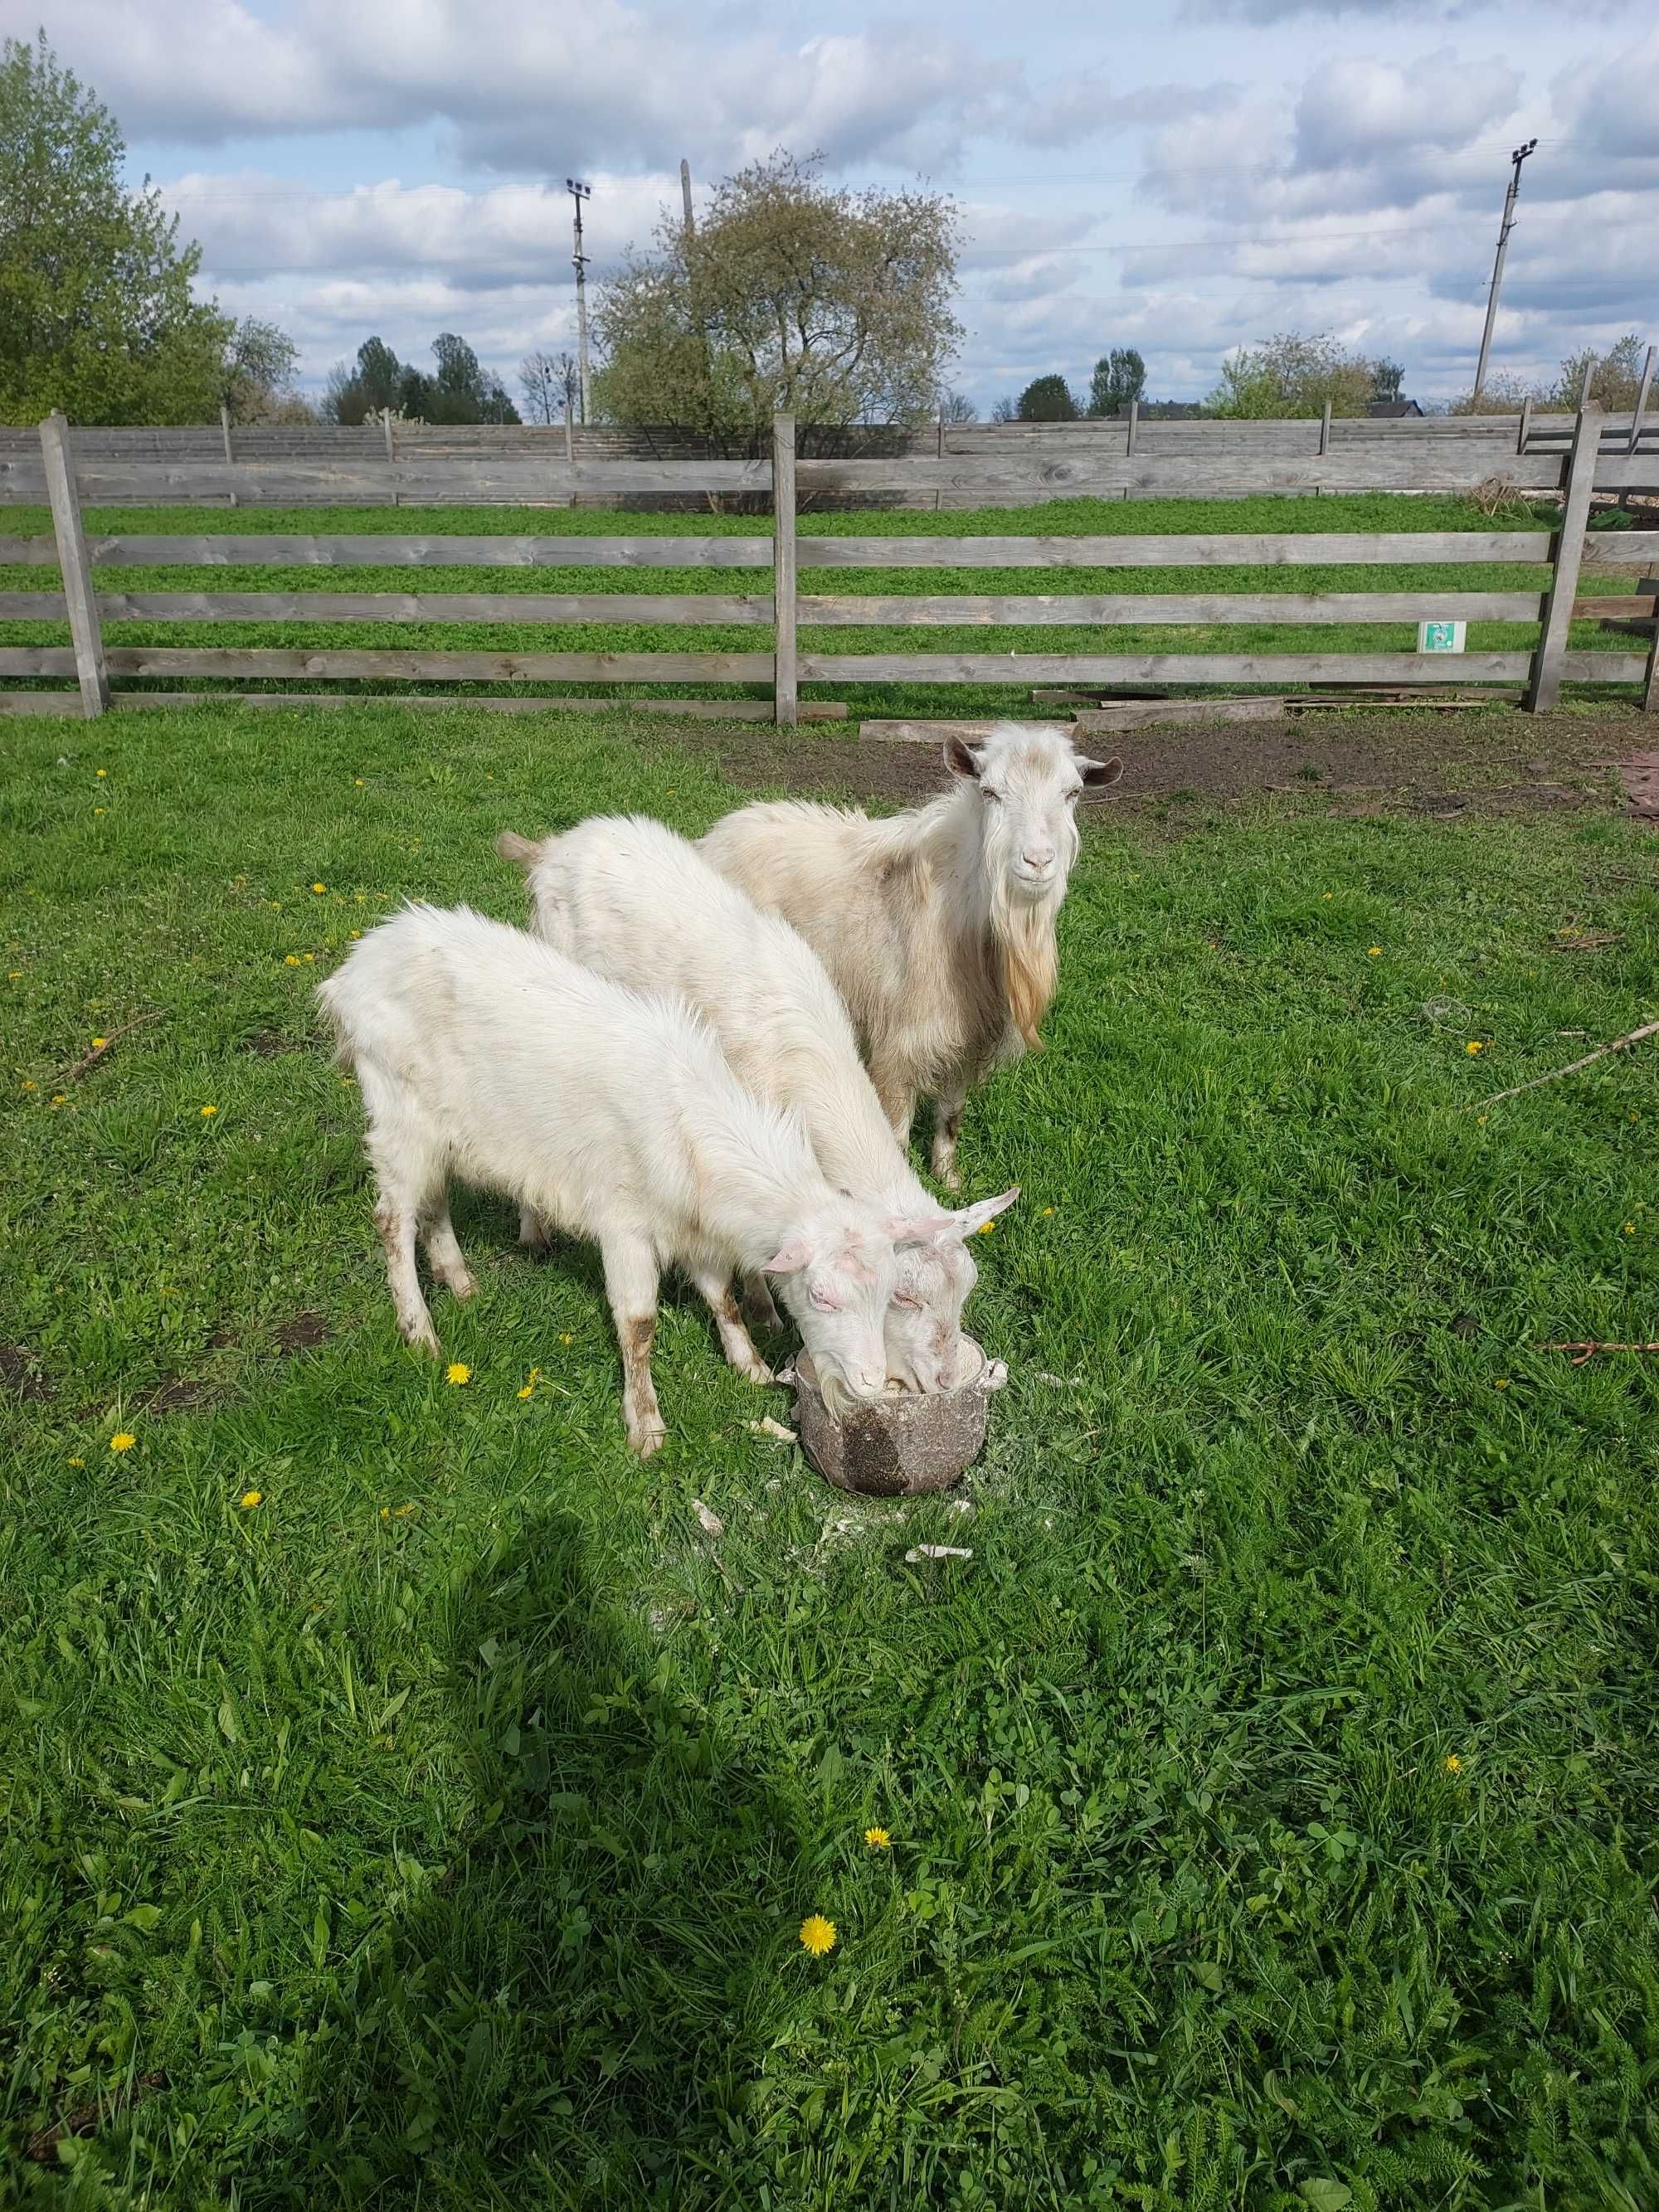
(1075, 517)
(406, 1804)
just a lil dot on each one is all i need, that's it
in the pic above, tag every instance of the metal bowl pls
(904, 1443)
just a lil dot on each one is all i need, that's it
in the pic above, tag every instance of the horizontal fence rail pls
(86, 603)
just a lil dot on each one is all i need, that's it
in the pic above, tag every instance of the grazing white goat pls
(482, 1053)
(936, 925)
(631, 899)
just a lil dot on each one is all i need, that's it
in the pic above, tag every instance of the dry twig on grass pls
(1583, 1352)
(89, 1060)
(1618, 1044)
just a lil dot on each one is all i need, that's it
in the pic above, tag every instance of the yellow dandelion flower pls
(319, 889)
(878, 1839)
(1328, 894)
(290, 960)
(98, 1043)
(385, 1513)
(77, 1462)
(817, 1934)
(1503, 1384)
(98, 810)
(528, 1391)
(1474, 1045)
(403, 1513)
(123, 1440)
(1046, 1211)
(564, 1340)
(1454, 1764)
(308, 957)
(531, 1381)
(60, 1098)
(15, 976)
(357, 782)
(251, 1499)
(985, 1227)
(457, 1371)
(1630, 1229)
(103, 771)
(29, 1084)
(1480, 1121)
(207, 1112)
(354, 934)
(1373, 951)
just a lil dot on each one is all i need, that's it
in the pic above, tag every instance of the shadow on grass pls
(571, 2010)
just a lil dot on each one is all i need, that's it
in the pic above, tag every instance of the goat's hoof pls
(754, 1370)
(950, 1177)
(647, 1440)
(462, 1286)
(422, 1337)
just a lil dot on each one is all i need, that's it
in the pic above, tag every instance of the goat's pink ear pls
(908, 1230)
(1097, 774)
(961, 759)
(973, 1218)
(788, 1258)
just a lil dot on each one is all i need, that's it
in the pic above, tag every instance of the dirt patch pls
(1490, 761)
(179, 1395)
(20, 1373)
(42, 2147)
(267, 1045)
(301, 1331)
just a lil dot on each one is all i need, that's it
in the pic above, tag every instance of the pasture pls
(407, 1802)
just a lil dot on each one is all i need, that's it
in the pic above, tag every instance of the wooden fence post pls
(1325, 429)
(783, 567)
(1544, 689)
(386, 430)
(1651, 689)
(75, 568)
(1135, 424)
(570, 432)
(1641, 407)
(1525, 431)
(224, 427)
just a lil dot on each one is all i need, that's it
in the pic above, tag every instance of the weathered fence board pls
(1343, 548)
(509, 482)
(1167, 667)
(423, 606)
(1131, 611)
(397, 552)
(261, 661)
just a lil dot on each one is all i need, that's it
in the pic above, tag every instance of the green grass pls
(439, 1827)
(1369, 512)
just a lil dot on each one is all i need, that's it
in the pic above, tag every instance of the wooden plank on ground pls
(115, 550)
(1026, 668)
(423, 606)
(1133, 611)
(254, 663)
(1204, 549)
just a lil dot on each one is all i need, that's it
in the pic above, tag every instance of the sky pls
(1185, 177)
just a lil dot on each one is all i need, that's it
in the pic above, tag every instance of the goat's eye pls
(903, 1299)
(1073, 797)
(985, 792)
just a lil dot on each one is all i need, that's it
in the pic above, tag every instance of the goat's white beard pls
(1023, 931)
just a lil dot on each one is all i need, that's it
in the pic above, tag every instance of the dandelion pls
(1502, 1384)
(564, 1340)
(98, 1043)
(1454, 1764)
(15, 976)
(533, 1378)
(1046, 1211)
(357, 782)
(354, 934)
(290, 960)
(1473, 1046)
(985, 1227)
(123, 1440)
(98, 810)
(1630, 1229)
(29, 1084)
(457, 1371)
(403, 1513)
(1480, 1121)
(77, 1462)
(207, 1112)
(385, 1513)
(60, 1098)
(878, 1839)
(1327, 894)
(319, 889)
(308, 957)
(817, 1934)
(103, 771)
(251, 1499)
(1373, 952)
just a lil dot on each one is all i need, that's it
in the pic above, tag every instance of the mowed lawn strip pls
(406, 1802)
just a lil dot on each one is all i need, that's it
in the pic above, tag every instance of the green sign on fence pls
(1441, 636)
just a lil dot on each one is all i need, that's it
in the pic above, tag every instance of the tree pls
(97, 314)
(1048, 399)
(1615, 382)
(832, 304)
(257, 373)
(459, 391)
(1293, 375)
(1387, 378)
(1120, 379)
(956, 407)
(549, 383)
(1005, 410)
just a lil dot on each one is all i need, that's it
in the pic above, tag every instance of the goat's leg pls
(533, 1232)
(947, 1123)
(397, 1221)
(410, 1169)
(715, 1290)
(758, 1311)
(631, 1279)
(443, 1252)
(897, 1094)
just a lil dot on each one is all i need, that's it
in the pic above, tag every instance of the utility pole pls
(1504, 228)
(685, 196)
(579, 194)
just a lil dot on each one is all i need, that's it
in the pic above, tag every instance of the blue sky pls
(1185, 177)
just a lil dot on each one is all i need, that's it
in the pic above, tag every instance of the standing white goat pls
(631, 899)
(938, 925)
(482, 1053)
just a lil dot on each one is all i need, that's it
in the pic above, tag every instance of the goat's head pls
(837, 1272)
(1029, 779)
(936, 1273)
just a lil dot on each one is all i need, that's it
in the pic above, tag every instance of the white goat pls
(635, 902)
(936, 925)
(484, 1054)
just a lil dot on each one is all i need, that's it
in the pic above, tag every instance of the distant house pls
(1387, 411)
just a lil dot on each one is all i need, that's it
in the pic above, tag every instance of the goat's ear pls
(789, 1258)
(1099, 774)
(910, 1231)
(960, 760)
(520, 850)
(970, 1218)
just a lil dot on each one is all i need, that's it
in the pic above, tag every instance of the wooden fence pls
(1593, 462)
